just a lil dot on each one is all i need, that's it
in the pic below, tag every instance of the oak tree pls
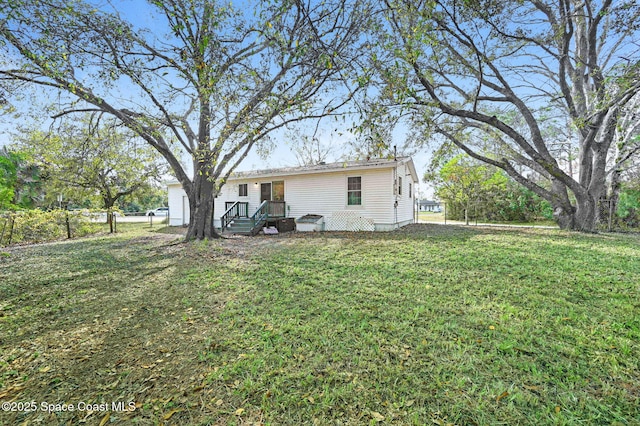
(484, 75)
(88, 156)
(207, 78)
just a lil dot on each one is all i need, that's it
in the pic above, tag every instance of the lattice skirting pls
(349, 221)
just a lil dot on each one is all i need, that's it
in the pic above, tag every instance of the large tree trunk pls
(583, 217)
(201, 198)
(586, 214)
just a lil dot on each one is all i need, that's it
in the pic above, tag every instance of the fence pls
(36, 226)
(610, 220)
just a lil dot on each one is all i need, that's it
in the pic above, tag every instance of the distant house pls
(429, 206)
(356, 195)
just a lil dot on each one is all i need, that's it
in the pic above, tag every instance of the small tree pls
(90, 157)
(465, 184)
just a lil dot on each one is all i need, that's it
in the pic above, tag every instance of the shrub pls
(37, 226)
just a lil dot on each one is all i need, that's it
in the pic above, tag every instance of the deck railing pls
(243, 207)
(266, 210)
(277, 209)
(260, 216)
(234, 210)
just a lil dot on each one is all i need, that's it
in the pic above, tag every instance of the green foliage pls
(629, 207)
(519, 204)
(7, 181)
(20, 182)
(485, 192)
(93, 161)
(37, 226)
(141, 201)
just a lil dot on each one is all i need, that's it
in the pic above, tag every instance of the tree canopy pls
(496, 77)
(89, 157)
(538, 88)
(211, 79)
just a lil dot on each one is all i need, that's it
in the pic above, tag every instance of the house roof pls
(378, 163)
(323, 168)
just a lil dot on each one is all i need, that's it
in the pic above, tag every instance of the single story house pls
(430, 206)
(350, 195)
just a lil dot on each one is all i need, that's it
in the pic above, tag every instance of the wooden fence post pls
(13, 221)
(66, 219)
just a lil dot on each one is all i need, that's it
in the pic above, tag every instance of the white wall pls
(406, 200)
(320, 193)
(178, 205)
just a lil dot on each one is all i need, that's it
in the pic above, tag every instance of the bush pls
(629, 208)
(37, 226)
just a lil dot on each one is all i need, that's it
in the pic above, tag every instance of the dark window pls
(354, 191)
(399, 186)
(242, 190)
(409, 190)
(265, 191)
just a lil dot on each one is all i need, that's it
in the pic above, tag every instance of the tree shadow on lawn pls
(186, 331)
(99, 322)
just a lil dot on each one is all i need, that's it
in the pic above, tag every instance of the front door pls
(265, 192)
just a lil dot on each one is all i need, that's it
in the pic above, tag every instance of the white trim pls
(346, 193)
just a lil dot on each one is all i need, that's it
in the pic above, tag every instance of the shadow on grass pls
(427, 324)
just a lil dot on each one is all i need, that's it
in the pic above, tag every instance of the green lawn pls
(430, 324)
(439, 218)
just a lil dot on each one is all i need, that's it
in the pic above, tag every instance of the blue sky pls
(280, 156)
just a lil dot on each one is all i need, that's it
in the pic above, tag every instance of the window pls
(242, 190)
(399, 185)
(278, 191)
(409, 190)
(354, 191)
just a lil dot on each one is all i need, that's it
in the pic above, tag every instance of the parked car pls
(160, 211)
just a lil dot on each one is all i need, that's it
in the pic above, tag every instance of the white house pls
(429, 206)
(355, 195)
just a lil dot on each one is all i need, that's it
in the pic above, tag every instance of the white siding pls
(321, 193)
(178, 208)
(230, 192)
(406, 200)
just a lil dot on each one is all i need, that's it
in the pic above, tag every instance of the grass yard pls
(430, 324)
(432, 217)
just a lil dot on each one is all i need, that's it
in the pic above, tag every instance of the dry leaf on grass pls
(171, 413)
(377, 416)
(502, 395)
